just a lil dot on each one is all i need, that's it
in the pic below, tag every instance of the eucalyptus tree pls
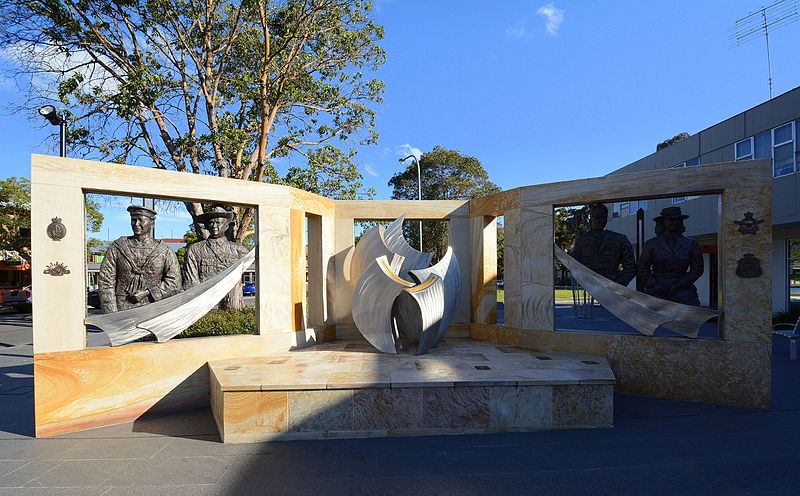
(218, 87)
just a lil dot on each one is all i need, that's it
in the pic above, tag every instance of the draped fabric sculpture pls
(396, 292)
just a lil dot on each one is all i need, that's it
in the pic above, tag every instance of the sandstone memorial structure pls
(310, 373)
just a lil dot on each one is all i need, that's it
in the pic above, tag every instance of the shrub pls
(218, 323)
(222, 323)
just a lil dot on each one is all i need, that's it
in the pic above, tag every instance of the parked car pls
(249, 289)
(93, 298)
(501, 284)
(20, 300)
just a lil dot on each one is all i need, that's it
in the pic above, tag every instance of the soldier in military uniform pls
(213, 255)
(670, 263)
(137, 269)
(606, 252)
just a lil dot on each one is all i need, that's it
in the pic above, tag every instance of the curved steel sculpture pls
(370, 247)
(385, 304)
(643, 312)
(375, 292)
(448, 269)
(396, 243)
(169, 317)
(417, 313)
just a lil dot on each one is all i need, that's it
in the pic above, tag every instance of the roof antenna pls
(754, 24)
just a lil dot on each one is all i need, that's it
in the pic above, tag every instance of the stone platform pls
(347, 389)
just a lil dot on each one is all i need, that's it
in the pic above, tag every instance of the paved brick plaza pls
(656, 447)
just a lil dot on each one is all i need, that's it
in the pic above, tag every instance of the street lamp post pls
(419, 191)
(49, 113)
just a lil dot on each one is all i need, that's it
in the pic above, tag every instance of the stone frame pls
(732, 370)
(78, 388)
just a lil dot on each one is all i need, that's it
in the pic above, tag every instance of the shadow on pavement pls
(16, 399)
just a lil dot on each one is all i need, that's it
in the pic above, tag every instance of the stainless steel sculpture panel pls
(396, 242)
(373, 298)
(448, 269)
(417, 313)
(367, 250)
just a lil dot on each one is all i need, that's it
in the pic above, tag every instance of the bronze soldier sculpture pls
(137, 269)
(213, 255)
(670, 263)
(606, 252)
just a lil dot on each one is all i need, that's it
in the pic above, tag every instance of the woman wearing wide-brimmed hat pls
(671, 263)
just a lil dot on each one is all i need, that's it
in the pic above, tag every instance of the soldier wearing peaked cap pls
(137, 269)
(671, 263)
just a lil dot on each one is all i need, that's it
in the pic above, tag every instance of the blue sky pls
(538, 91)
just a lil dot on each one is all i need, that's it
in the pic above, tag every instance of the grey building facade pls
(769, 130)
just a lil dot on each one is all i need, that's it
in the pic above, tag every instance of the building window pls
(623, 209)
(780, 144)
(688, 163)
(744, 149)
(797, 143)
(783, 149)
(793, 272)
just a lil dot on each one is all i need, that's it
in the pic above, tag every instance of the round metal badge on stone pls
(56, 230)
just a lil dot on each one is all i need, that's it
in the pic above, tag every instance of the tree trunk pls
(233, 300)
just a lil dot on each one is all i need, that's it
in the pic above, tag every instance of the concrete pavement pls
(657, 447)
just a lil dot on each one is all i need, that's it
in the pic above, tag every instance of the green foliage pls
(189, 238)
(94, 245)
(446, 175)
(15, 214)
(501, 252)
(223, 322)
(569, 223)
(210, 87)
(674, 139)
(94, 218)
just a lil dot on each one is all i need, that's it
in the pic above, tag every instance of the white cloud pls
(406, 150)
(554, 17)
(370, 170)
(516, 32)
(49, 63)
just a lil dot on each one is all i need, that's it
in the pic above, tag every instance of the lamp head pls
(49, 113)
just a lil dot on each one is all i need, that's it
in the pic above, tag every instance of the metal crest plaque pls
(56, 230)
(748, 225)
(749, 266)
(56, 269)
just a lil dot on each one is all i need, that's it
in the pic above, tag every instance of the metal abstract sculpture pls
(367, 250)
(169, 317)
(396, 242)
(449, 271)
(643, 312)
(386, 304)
(418, 312)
